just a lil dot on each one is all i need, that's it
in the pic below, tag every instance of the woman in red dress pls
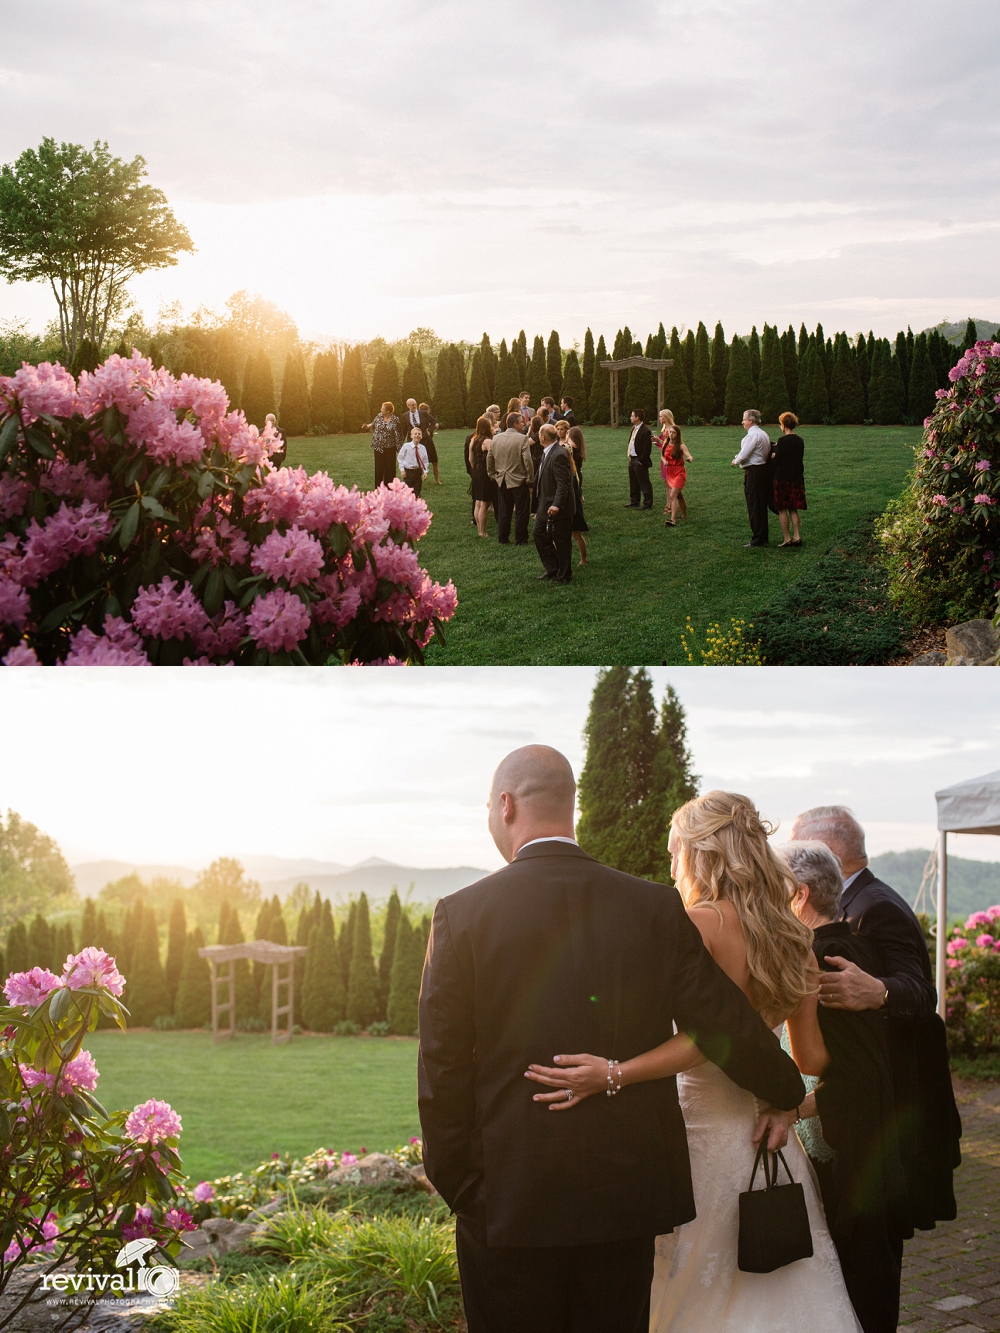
(673, 455)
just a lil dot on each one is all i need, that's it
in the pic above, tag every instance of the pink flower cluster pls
(166, 612)
(80, 1072)
(294, 555)
(44, 390)
(52, 545)
(278, 621)
(984, 500)
(30, 988)
(203, 1192)
(314, 503)
(93, 969)
(153, 1121)
(20, 1245)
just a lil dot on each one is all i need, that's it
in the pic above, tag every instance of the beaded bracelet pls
(613, 1088)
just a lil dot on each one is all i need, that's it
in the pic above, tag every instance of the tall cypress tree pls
(323, 1001)
(41, 944)
(257, 970)
(604, 780)
(572, 385)
(589, 360)
(404, 984)
(381, 390)
(803, 343)
(489, 368)
(741, 392)
(519, 351)
(876, 381)
(553, 366)
(176, 941)
(903, 359)
(479, 393)
(790, 361)
(295, 416)
(410, 388)
(847, 394)
(970, 337)
(936, 352)
(821, 352)
(703, 381)
(538, 377)
(327, 407)
(720, 368)
(258, 389)
(599, 397)
(18, 954)
(148, 997)
(923, 382)
(362, 995)
(894, 392)
(640, 388)
(193, 1005)
(676, 382)
(353, 391)
(345, 944)
(864, 369)
(773, 398)
(813, 404)
(753, 347)
(64, 945)
(225, 369)
(507, 384)
(231, 932)
(393, 913)
(88, 925)
(688, 344)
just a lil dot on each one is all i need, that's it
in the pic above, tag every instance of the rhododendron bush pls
(942, 537)
(973, 972)
(142, 522)
(75, 1182)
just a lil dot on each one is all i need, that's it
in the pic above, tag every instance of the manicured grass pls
(244, 1099)
(642, 580)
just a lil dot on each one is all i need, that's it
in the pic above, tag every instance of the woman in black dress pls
(789, 479)
(484, 489)
(579, 522)
(537, 450)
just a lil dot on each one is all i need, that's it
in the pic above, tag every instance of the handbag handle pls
(770, 1169)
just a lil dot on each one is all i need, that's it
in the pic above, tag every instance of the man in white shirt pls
(420, 418)
(413, 461)
(754, 452)
(640, 449)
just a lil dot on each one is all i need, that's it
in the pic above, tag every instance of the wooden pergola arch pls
(255, 951)
(639, 363)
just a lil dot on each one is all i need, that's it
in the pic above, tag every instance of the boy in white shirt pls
(413, 461)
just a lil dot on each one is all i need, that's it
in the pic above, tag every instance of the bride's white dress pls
(697, 1287)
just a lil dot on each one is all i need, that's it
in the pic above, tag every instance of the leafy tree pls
(225, 880)
(258, 389)
(323, 1002)
(538, 379)
(812, 403)
(295, 411)
(519, 351)
(176, 943)
(85, 223)
(362, 995)
(553, 365)
(327, 408)
(790, 360)
(969, 338)
(703, 382)
(741, 392)
(18, 955)
(87, 357)
(194, 988)
(921, 399)
(479, 394)
(773, 396)
(589, 360)
(720, 368)
(225, 368)
(507, 383)
(148, 996)
(415, 378)
(847, 394)
(354, 392)
(599, 395)
(404, 986)
(392, 917)
(753, 347)
(33, 873)
(676, 386)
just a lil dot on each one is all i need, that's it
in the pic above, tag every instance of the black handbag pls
(774, 1224)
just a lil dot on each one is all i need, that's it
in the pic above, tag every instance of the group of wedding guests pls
(524, 462)
(629, 1216)
(406, 441)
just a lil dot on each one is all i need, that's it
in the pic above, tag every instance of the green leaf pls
(214, 591)
(201, 576)
(232, 582)
(205, 484)
(130, 525)
(153, 506)
(339, 538)
(8, 434)
(40, 442)
(131, 476)
(109, 423)
(59, 1003)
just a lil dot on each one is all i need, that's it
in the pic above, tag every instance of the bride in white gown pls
(738, 892)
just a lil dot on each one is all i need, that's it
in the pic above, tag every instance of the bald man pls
(558, 1214)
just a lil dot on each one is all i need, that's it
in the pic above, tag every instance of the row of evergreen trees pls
(338, 980)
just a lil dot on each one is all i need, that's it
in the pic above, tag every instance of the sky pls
(473, 166)
(180, 766)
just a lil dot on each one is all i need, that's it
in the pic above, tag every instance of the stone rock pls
(975, 639)
(420, 1178)
(226, 1236)
(933, 658)
(376, 1168)
(198, 1246)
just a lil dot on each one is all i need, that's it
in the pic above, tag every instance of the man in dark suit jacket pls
(640, 450)
(928, 1119)
(566, 411)
(557, 1214)
(556, 505)
(420, 416)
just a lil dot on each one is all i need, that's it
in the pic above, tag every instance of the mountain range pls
(972, 885)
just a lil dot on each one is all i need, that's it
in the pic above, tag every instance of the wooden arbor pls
(640, 363)
(255, 951)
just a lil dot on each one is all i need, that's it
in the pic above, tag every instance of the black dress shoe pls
(545, 576)
(631, 506)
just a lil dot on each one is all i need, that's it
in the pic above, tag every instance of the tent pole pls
(942, 918)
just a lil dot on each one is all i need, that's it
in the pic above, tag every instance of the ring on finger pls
(569, 1094)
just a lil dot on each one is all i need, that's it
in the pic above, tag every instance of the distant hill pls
(92, 876)
(955, 332)
(378, 881)
(972, 885)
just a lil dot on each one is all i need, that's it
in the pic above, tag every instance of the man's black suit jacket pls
(643, 443)
(929, 1123)
(554, 482)
(557, 953)
(425, 421)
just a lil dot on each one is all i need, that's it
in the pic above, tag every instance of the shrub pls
(942, 536)
(346, 1028)
(140, 521)
(722, 647)
(973, 985)
(282, 1303)
(838, 612)
(378, 1029)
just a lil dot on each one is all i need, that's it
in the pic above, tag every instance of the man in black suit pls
(420, 416)
(558, 1214)
(640, 449)
(928, 1119)
(553, 531)
(566, 411)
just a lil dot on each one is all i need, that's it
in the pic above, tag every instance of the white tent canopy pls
(967, 807)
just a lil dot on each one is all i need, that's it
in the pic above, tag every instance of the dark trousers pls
(871, 1261)
(414, 478)
(559, 1289)
(513, 503)
(639, 484)
(555, 552)
(385, 466)
(755, 490)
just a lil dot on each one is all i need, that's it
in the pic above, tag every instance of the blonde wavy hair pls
(724, 855)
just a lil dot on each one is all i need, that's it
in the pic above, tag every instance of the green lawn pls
(244, 1099)
(629, 604)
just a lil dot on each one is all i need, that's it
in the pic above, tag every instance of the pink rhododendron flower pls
(20, 655)
(993, 912)
(957, 945)
(338, 607)
(14, 603)
(982, 466)
(984, 941)
(984, 500)
(953, 963)
(14, 492)
(42, 390)
(30, 988)
(50, 1230)
(64, 534)
(75, 481)
(295, 556)
(939, 499)
(278, 621)
(80, 1072)
(177, 1219)
(92, 969)
(153, 1121)
(977, 919)
(381, 661)
(141, 1226)
(120, 645)
(348, 1159)
(203, 1192)
(224, 543)
(163, 612)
